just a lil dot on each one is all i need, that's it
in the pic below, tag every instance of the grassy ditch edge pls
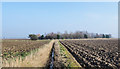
(70, 61)
(20, 55)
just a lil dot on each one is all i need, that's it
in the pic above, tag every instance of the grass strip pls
(67, 57)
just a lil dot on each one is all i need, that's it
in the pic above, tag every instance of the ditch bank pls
(60, 57)
(54, 57)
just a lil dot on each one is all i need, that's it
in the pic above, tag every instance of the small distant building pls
(38, 35)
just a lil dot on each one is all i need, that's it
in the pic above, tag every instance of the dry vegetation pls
(37, 59)
(13, 48)
(94, 53)
(14, 51)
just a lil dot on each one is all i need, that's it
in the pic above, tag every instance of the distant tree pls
(110, 35)
(97, 36)
(85, 36)
(52, 35)
(92, 35)
(33, 37)
(71, 35)
(107, 36)
(58, 36)
(42, 36)
(65, 35)
(103, 36)
(48, 37)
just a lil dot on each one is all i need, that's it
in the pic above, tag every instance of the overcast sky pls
(23, 18)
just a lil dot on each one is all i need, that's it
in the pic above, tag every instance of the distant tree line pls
(66, 35)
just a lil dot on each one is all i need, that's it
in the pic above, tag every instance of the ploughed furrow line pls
(79, 60)
(109, 57)
(88, 56)
(93, 55)
(100, 55)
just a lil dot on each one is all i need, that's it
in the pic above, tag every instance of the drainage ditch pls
(50, 63)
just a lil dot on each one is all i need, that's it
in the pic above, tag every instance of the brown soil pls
(13, 48)
(94, 53)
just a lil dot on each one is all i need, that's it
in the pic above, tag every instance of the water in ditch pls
(52, 58)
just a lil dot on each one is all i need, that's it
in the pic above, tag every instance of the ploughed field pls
(94, 53)
(13, 48)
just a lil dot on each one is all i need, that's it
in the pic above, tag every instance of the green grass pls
(9, 55)
(64, 52)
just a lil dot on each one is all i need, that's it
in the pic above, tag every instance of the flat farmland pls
(94, 53)
(86, 53)
(13, 48)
